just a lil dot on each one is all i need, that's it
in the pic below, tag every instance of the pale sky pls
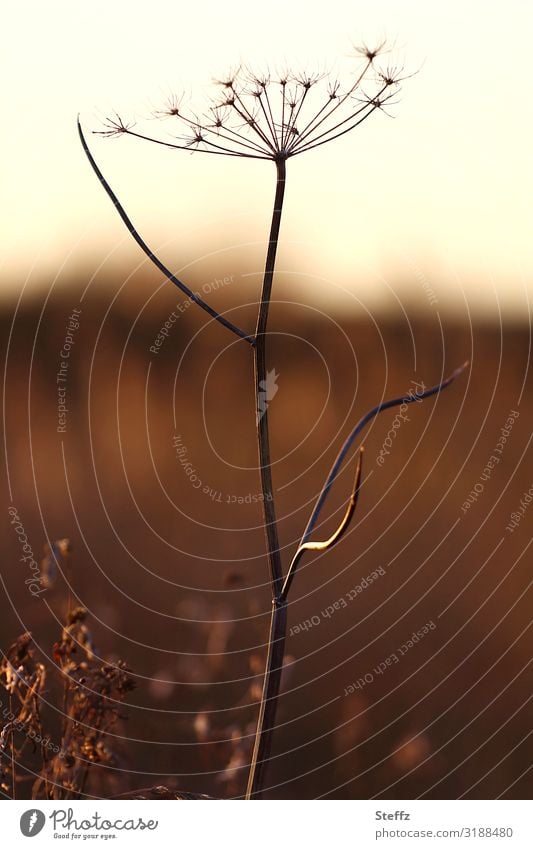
(441, 192)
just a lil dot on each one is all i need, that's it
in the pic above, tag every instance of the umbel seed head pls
(264, 116)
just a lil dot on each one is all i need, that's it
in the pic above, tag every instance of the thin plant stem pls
(269, 700)
(274, 558)
(278, 622)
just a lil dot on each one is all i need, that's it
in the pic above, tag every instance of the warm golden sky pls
(443, 190)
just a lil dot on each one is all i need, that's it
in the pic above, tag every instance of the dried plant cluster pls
(61, 716)
(38, 760)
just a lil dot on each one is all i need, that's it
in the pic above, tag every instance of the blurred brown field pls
(174, 574)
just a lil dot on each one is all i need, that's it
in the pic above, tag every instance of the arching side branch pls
(335, 469)
(150, 254)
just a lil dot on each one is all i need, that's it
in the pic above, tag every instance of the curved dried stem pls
(337, 465)
(150, 254)
(336, 536)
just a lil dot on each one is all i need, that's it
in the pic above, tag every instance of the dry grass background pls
(148, 571)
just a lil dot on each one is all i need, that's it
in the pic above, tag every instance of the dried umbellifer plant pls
(276, 118)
